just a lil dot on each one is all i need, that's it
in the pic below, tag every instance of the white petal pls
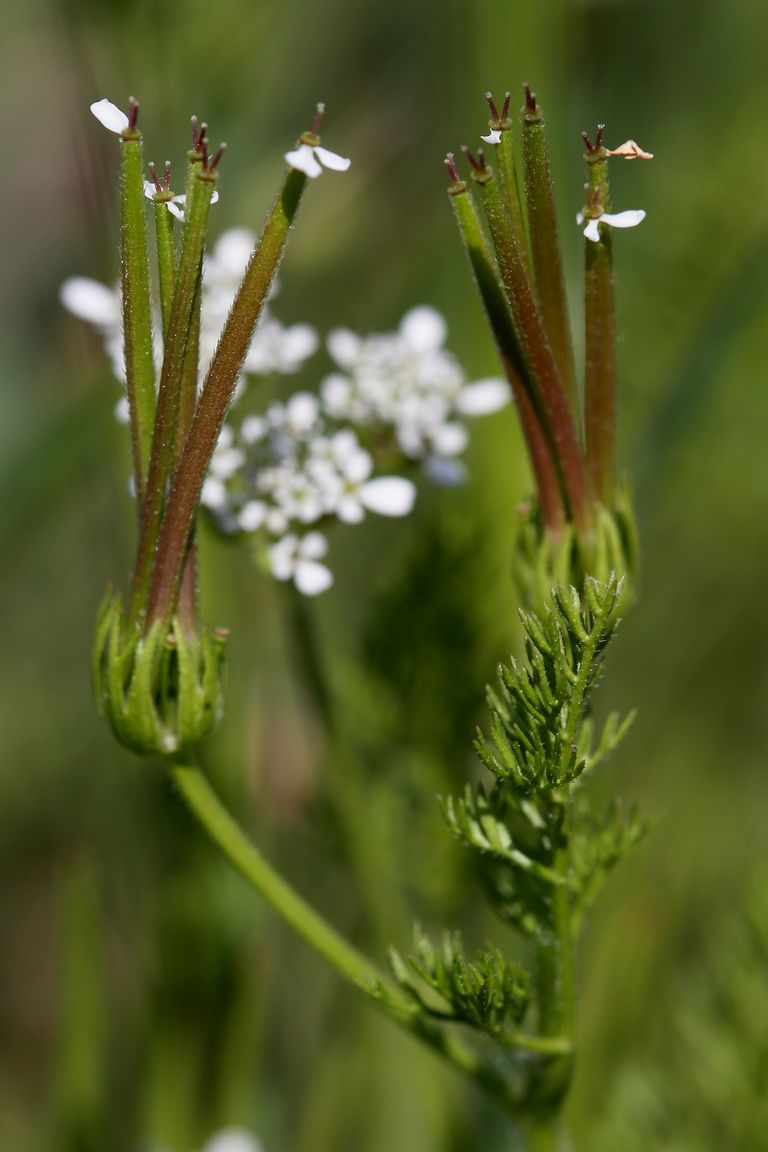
(252, 429)
(493, 137)
(483, 397)
(592, 231)
(233, 249)
(359, 466)
(214, 494)
(579, 218)
(303, 160)
(349, 509)
(297, 343)
(344, 346)
(110, 116)
(313, 546)
(175, 210)
(450, 439)
(252, 515)
(629, 219)
(388, 495)
(149, 189)
(302, 410)
(331, 160)
(423, 329)
(123, 411)
(91, 301)
(282, 558)
(233, 1140)
(312, 578)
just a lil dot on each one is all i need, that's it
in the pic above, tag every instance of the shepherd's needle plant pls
(189, 361)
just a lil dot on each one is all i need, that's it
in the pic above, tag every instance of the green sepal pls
(161, 691)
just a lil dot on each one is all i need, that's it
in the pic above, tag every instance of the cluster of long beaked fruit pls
(517, 265)
(157, 678)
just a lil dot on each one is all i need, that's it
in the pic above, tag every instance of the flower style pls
(310, 158)
(628, 219)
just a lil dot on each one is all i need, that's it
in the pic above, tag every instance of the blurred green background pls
(146, 997)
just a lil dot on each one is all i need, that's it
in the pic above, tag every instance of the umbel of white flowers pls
(281, 474)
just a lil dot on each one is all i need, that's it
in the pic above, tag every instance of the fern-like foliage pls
(488, 992)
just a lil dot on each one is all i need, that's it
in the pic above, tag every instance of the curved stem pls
(220, 826)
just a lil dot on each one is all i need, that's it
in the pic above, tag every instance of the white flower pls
(311, 159)
(110, 116)
(493, 137)
(89, 300)
(483, 397)
(629, 219)
(233, 1140)
(173, 204)
(296, 558)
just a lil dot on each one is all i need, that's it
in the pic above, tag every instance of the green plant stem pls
(545, 1134)
(541, 367)
(545, 249)
(510, 353)
(220, 382)
(137, 311)
(223, 830)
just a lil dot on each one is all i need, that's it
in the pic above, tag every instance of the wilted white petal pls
(450, 439)
(314, 546)
(493, 137)
(344, 346)
(579, 218)
(252, 515)
(630, 150)
(312, 578)
(483, 397)
(629, 219)
(175, 210)
(149, 189)
(388, 495)
(110, 116)
(592, 231)
(423, 329)
(233, 1140)
(303, 160)
(331, 160)
(90, 301)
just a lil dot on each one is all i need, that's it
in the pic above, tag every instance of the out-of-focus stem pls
(545, 247)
